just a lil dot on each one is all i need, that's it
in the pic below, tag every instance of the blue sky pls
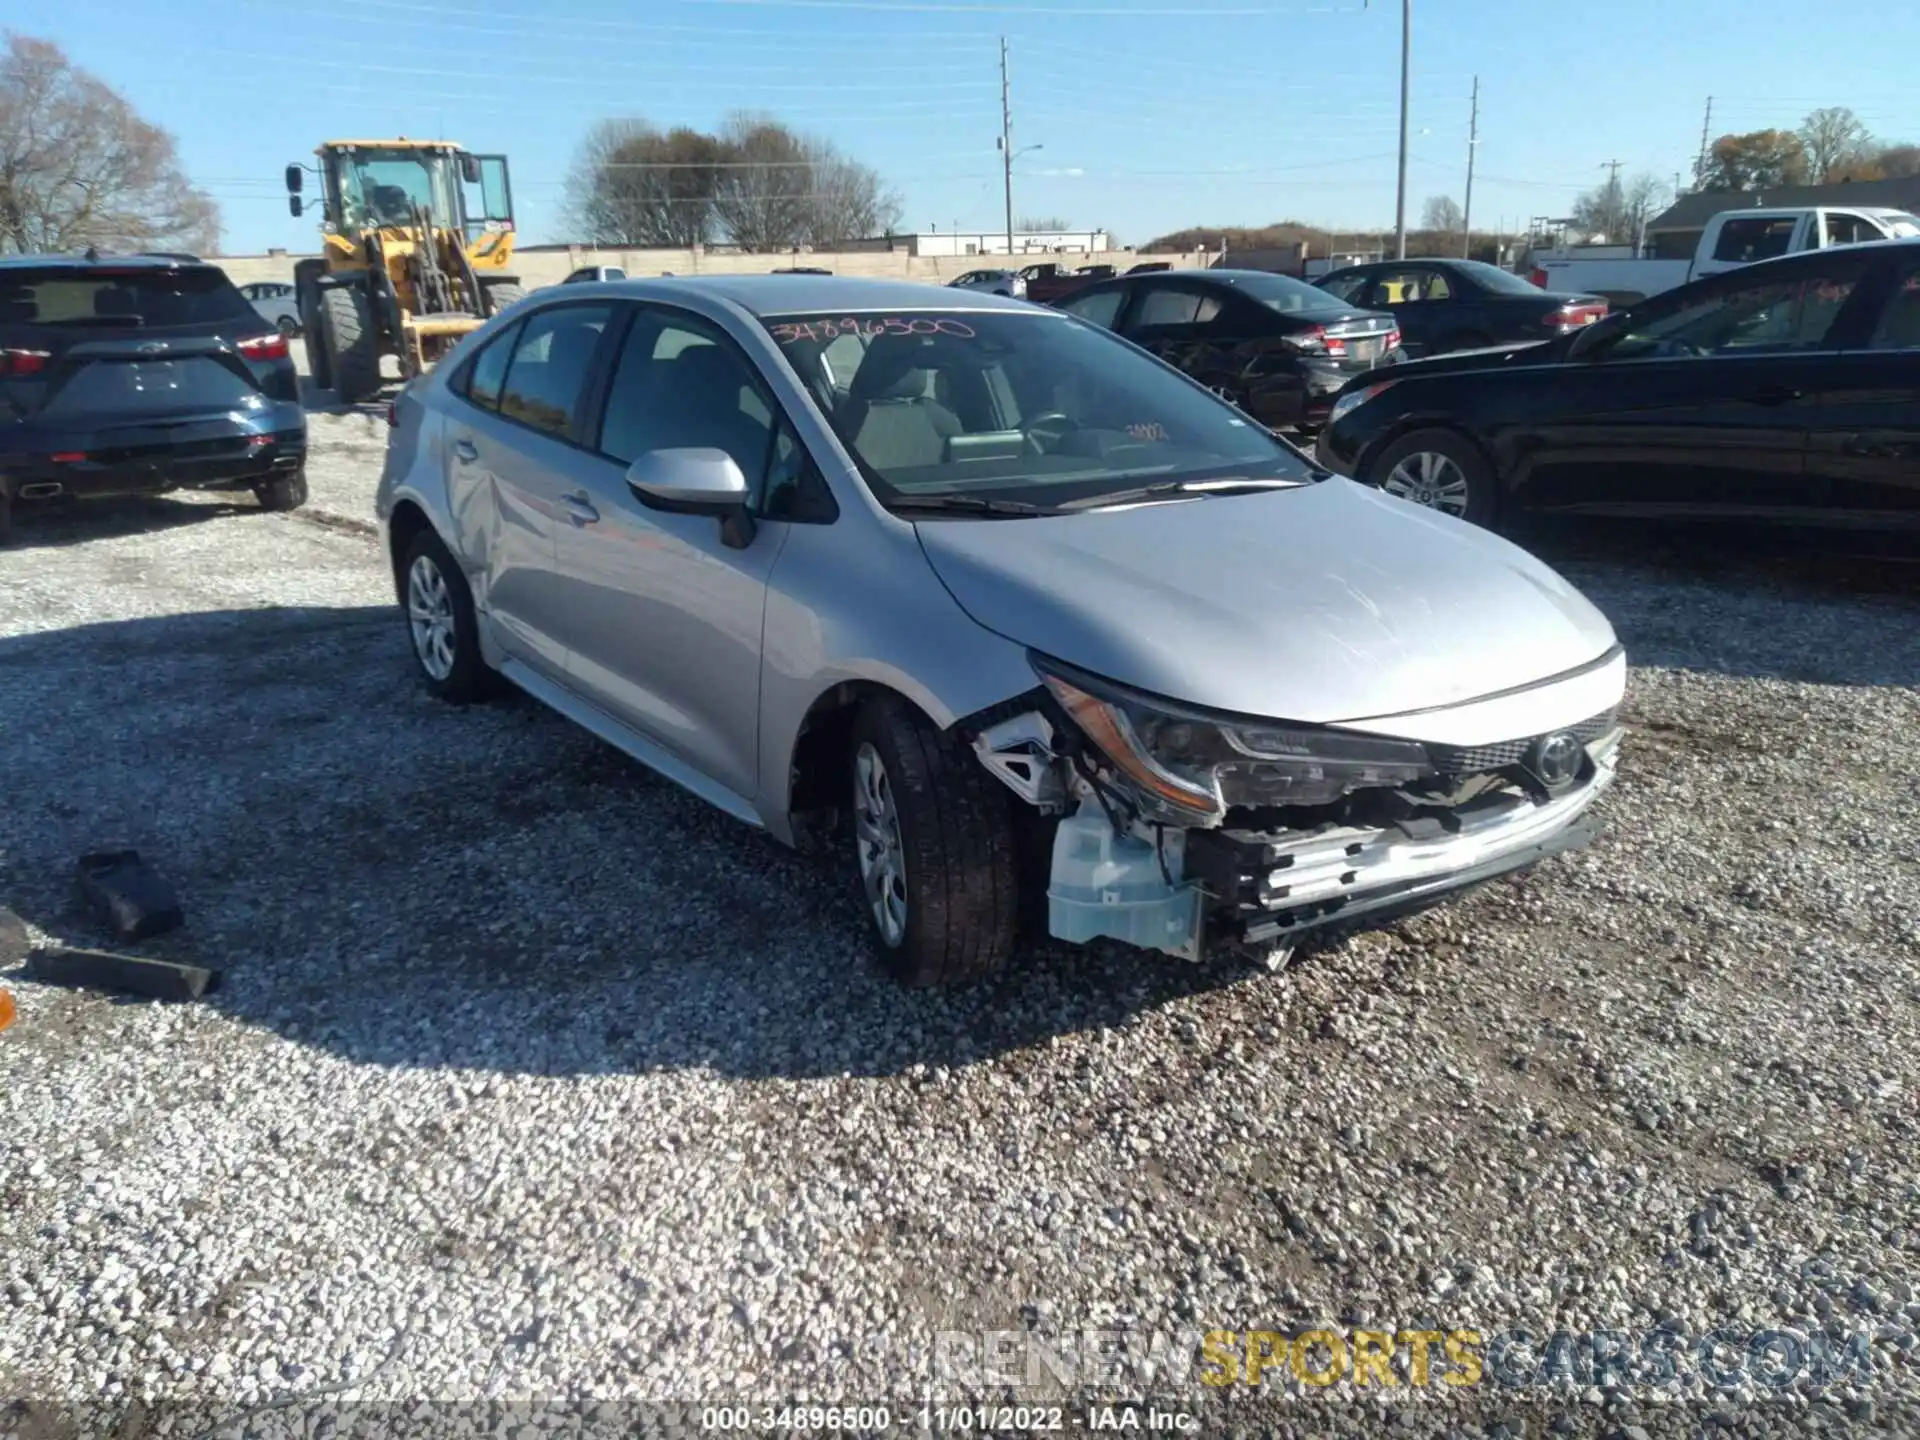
(1150, 114)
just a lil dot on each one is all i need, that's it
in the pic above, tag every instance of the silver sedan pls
(1000, 603)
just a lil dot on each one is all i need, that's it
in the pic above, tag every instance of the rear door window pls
(1345, 287)
(1759, 237)
(1899, 325)
(552, 357)
(1165, 305)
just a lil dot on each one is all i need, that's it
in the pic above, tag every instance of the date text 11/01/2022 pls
(947, 1419)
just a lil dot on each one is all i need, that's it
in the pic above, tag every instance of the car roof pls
(764, 295)
(113, 262)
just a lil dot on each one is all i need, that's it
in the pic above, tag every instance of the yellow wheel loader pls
(417, 238)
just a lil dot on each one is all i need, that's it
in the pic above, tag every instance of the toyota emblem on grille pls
(1556, 758)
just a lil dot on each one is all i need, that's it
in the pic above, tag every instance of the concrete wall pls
(549, 267)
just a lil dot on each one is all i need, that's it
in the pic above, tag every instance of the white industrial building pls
(994, 242)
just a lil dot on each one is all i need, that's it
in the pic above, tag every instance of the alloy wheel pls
(430, 616)
(1429, 478)
(883, 864)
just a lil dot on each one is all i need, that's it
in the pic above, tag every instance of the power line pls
(1104, 11)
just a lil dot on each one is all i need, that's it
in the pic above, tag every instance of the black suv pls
(134, 375)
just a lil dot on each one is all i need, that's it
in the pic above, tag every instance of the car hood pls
(1328, 603)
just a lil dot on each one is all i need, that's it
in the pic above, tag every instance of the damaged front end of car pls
(1194, 832)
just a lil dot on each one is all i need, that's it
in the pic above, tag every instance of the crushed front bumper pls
(1265, 887)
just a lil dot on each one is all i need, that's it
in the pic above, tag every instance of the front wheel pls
(1441, 470)
(934, 849)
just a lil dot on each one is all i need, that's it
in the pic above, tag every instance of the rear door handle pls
(580, 508)
(466, 451)
(1777, 395)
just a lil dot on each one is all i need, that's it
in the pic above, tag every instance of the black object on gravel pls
(128, 894)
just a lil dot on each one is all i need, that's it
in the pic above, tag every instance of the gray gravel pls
(534, 1078)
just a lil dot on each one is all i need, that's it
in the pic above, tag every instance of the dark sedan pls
(1783, 391)
(1277, 347)
(1448, 305)
(140, 374)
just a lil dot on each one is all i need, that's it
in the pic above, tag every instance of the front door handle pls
(1777, 395)
(465, 451)
(580, 508)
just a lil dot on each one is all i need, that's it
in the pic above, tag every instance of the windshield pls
(146, 297)
(1492, 277)
(1285, 294)
(1036, 408)
(381, 187)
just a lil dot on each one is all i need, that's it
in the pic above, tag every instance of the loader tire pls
(306, 290)
(502, 293)
(352, 344)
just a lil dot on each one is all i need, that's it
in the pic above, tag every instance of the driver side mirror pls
(1588, 343)
(296, 179)
(695, 481)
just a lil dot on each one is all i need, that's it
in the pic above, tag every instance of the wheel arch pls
(1407, 425)
(405, 525)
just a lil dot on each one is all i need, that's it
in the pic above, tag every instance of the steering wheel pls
(1047, 430)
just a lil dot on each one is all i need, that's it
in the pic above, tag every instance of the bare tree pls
(632, 184)
(1830, 138)
(848, 200)
(1042, 225)
(764, 198)
(1442, 213)
(1620, 209)
(78, 167)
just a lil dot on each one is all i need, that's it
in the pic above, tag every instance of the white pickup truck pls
(1732, 238)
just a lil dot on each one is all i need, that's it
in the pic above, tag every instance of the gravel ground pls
(533, 1078)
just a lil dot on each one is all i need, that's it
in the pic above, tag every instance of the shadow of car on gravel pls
(49, 524)
(403, 884)
(1711, 598)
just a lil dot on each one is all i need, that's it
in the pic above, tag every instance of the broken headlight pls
(1188, 766)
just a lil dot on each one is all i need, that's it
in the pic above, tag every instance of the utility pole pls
(1473, 144)
(1406, 82)
(1006, 141)
(1614, 198)
(1700, 165)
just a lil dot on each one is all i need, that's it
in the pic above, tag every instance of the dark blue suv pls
(134, 375)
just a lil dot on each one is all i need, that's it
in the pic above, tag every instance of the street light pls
(1007, 157)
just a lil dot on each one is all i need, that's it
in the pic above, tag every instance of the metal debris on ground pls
(131, 974)
(128, 894)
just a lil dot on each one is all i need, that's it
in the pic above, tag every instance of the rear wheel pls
(934, 849)
(287, 325)
(442, 623)
(1440, 469)
(351, 342)
(282, 492)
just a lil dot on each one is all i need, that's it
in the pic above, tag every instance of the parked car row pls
(1785, 391)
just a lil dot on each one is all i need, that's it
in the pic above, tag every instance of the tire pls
(351, 342)
(287, 326)
(447, 653)
(282, 492)
(307, 294)
(502, 293)
(944, 908)
(1456, 478)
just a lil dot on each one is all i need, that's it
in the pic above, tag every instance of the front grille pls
(1474, 759)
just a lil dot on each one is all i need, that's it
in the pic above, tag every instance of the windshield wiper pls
(1165, 488)
(969, 504)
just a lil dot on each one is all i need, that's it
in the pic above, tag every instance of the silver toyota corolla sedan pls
(1028, 621)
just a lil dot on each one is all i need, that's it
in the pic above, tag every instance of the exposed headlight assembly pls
(1187, 767)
